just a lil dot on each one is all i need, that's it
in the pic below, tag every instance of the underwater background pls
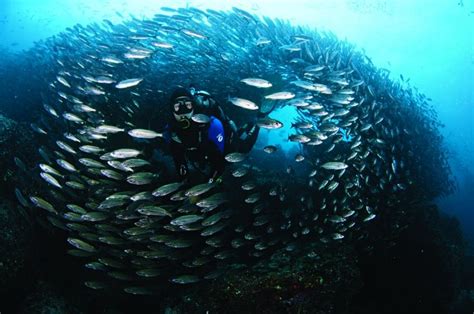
(426, 46)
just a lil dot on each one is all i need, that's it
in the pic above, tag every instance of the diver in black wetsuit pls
(203, 144)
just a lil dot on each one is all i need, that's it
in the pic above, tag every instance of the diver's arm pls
(219, 113)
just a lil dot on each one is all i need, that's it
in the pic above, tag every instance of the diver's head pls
(182, 105)
(192, 90)
(202, 98)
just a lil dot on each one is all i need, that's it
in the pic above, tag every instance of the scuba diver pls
(200, 133)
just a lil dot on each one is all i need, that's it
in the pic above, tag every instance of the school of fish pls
(109, 185)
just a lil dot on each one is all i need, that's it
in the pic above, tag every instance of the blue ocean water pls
(428, 44)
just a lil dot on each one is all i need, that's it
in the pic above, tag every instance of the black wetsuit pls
(198, 143)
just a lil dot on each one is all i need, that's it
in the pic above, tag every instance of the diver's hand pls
(233, 126)
(183, 171)
(217, 180)
(213, 177)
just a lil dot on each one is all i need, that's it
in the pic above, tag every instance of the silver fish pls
(50, 179)
(123, 153)
(280, 96)
(269, 123)
(235, 157)
(143, 133)
(66, 165)
(141, 178)
(106, 129)
(243, 103)
(167, 189)
(334, 165)
(128, 83)
(256, 82)
(200, 118)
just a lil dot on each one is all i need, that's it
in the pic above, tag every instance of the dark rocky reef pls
(16, 140)
(16, 249)
(287, 283)
(46, 299)
(419, 271)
